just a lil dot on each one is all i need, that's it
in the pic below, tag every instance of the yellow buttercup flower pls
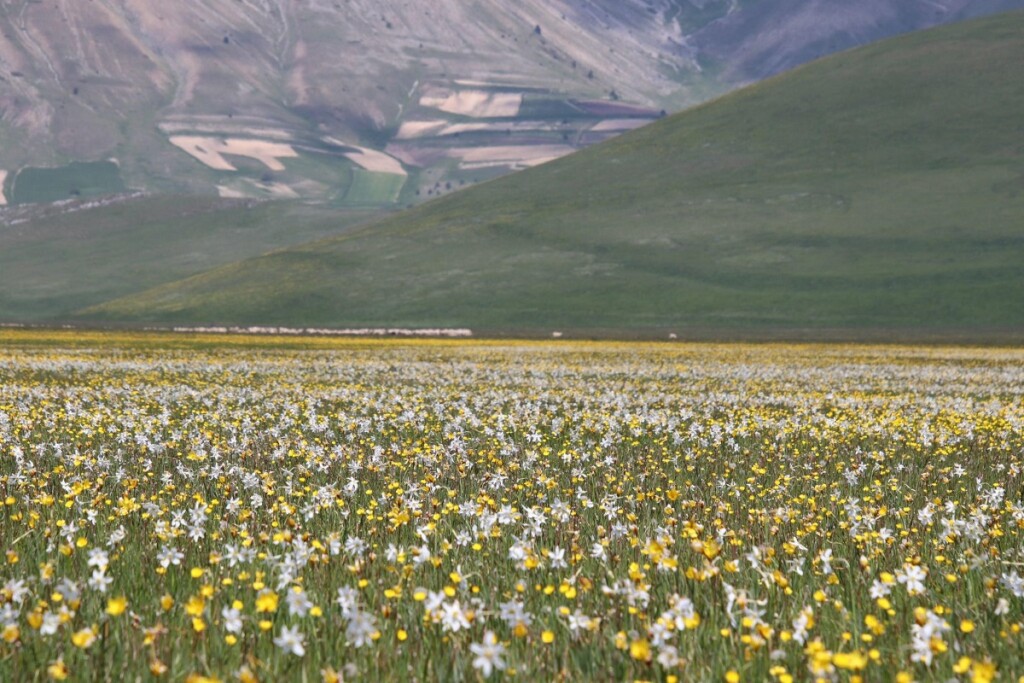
(58, 670)
(83, 638)
(850, 661)
(117, 606)
(640, 649)
(266, 601)
(195, 606)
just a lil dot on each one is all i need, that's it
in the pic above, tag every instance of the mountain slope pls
(57, 258)
(760, 39)
(279, 99)
(880, 188)
(378, 102)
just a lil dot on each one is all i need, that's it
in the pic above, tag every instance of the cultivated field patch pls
(617, 125)
(475, 103)
(249, 187)
(376, 162)
(370, 188)
(77, 179)
(410, 130)
(509, 155)
(211, 150)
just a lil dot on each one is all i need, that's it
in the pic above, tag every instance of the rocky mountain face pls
(763, 38)
(376, 102)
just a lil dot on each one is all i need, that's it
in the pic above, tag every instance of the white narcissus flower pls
(168, 556)
(232, 619)
(453, 618)
(291, 641)
(348, 600)
(299, 603)
(668, 657)
(362, 627)
(913, 577)
(100, 581)
(98, 558)
(488, 655)
(51, 622)
(1014, 583)
(880, 589)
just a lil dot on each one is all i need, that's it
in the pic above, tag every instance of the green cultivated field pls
(373, 189)
(881, 189)
(77, 179)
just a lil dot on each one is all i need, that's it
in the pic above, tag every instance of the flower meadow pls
(241, 509)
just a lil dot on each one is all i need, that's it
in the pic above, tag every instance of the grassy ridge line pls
(878, 189)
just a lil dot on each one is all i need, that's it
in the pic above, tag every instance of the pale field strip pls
(377, 162)
(503, 80)
(619, 124)
(506, 78)
(523, 155)
(518, 126)
(171, 127)
(475, 103)
(210, 151)
(470, 83)
(412, 130)
(278, 190)
(3, 179)
(514, 165)
(418, 157)
(275, 190)
(371, 160)
(225, 192)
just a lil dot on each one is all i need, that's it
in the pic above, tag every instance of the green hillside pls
(55, 260)
(881, 189)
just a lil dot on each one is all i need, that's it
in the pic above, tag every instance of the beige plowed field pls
(514, 156)
(378, 162)
(478, 104)
(211, 151)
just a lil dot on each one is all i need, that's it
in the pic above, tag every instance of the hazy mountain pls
(376, 102)
(761, 38)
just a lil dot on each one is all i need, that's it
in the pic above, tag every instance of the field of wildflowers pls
(179, 508)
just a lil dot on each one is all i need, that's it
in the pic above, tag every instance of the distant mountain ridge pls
(761, 39)
(368, 103)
